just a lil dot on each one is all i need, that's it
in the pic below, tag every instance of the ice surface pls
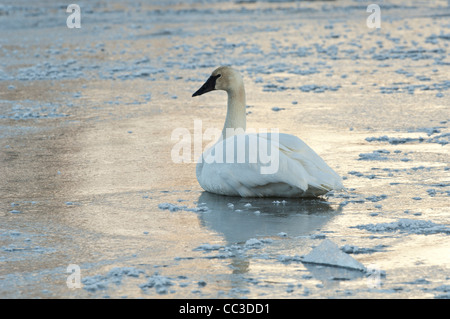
(86, 117)
(328, 253)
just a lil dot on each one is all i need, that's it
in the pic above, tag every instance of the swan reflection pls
(239, 219)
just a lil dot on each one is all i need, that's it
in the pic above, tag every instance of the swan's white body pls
(299, 171)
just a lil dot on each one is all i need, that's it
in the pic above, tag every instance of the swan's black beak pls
(209, 85)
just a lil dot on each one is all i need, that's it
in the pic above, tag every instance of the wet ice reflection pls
(239, 219)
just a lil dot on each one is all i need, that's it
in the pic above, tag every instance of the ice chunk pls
(328, 253)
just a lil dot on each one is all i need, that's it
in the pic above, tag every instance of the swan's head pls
(223, 78)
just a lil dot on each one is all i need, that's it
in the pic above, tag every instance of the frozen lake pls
(87, 178)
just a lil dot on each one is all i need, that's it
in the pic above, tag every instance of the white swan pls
(295, 170)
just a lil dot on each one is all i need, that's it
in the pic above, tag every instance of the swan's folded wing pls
(320, 174)
(293, 167)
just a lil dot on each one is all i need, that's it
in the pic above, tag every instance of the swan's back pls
(294, 169)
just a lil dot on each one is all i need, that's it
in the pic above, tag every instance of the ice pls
(374, 156)
(318, 236)
(28, 109)
(355, 173)
(174, 208)
(351, 249)
(160, 283)
(375, 198)
(171, 207)
(405, 225)
(318, 88)
(209, 247)
(289, 259)
(98, 104)
(253, 243)
(114, 276)
(328, 253)
(394, 140)
(94, 283)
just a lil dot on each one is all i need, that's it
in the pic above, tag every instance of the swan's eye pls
(218, 76)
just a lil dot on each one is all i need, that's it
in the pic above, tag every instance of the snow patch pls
(115, 276)
(208, 247)
(160, 283)
(175, 208)
(405, 225)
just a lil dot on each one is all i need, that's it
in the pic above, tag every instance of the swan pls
(297, 171)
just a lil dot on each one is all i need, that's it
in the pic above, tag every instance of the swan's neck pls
(235, 121)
